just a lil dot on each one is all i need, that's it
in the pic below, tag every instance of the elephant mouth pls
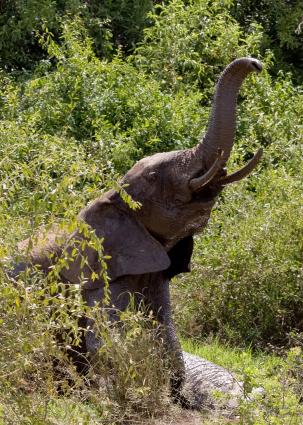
(206, 197)
(217, 176)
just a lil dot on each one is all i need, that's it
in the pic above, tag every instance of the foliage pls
(272, 117)
(18, 21)
(115, 25)
(282, 33)
(137, 381)
(38, 323)
(112, 24)
(119, 107)
(187, 44)
(247, 282)
(123, 20)
(28, 324)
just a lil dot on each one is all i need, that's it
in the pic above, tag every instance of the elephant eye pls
(152, 176)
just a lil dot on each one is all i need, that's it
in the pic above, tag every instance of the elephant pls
(146, 247)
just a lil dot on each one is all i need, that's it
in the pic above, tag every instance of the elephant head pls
(178, 189)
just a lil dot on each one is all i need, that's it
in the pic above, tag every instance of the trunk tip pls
(251, 64)
(256, 65)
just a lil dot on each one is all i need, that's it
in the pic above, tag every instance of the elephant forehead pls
(163, 159)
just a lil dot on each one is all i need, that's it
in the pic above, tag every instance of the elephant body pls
(148, 246)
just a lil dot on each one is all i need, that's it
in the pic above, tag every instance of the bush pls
(111, 108)
(113, 26)
(18, 21)
(136, 380)
(247, 279)
(39, 382)
(282, 33)
(188, 42)
(271, 116)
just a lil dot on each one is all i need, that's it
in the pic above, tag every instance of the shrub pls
(113, 26)
(272, 116)
(189, 41)
(109, 107)
(136, 379)
(281, 22)
(247, 280)
(39, 321)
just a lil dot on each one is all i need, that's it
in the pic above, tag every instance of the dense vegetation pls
(88, 88)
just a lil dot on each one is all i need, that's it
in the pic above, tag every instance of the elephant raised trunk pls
(214, 150)
(222, 123)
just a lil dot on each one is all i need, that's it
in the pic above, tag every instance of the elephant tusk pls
(243, 172)
(197, 183)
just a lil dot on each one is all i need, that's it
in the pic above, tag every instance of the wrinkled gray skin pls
(149, 246)
(208, 386)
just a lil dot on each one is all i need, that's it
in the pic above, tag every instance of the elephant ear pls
(180, 256)
(130, 247)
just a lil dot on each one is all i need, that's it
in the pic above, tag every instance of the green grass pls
(236, 359)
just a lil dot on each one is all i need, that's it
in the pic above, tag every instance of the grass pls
(279, 405)
(235, 359)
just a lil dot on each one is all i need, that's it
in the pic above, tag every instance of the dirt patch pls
(180, 417)
(186, 417)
